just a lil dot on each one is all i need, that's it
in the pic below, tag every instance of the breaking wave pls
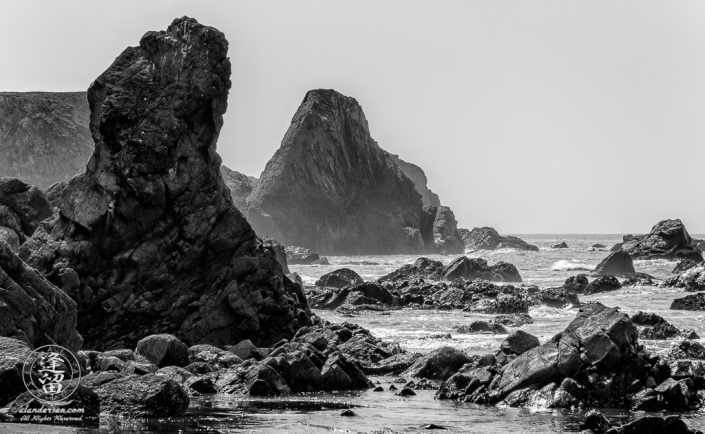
(572, 265)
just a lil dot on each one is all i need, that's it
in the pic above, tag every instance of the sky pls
(527, 116)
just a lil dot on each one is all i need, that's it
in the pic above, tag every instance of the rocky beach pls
(335, 292)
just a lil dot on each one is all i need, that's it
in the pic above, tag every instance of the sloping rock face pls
(240, 186)
(668, 239)
(44, 136)
(486, 238)
(439, 231)
(428, 197)
(615, 264)
(150, 227)
(31, 308)
(22, 208)
(331, 188)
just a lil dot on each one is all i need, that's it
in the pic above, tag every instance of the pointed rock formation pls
(439, 231)
(44, 136)
(332, 189)
(428, 197)
(668, 239)
(150, 228)
(240, 186)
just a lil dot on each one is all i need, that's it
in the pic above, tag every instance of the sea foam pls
(572, 265)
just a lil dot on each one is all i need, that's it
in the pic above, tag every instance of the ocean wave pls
(572, 265)
(308, 280)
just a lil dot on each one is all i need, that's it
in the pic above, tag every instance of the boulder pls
(692, 279)
(329, 300)
(576, 284)
(32, 309)
(339, 278)
(513, 320)
(486, 238)
(301, 255)
(477, 268)
(149, 395)
(595, 422)
(439, 364)
(668, 239)
(253, 379)
(162, 350)
(560, 245)
(82, 398)
(374, 291)
(245, 350)
(683, 265)
(687, 349)
(602, 284)
(331, 187)
(149, 228)
(689, 302)
(422, 268)
(518, 342)
(652, 326)
(598, 246)
(482, 327)
(617, 263)
(22, 207)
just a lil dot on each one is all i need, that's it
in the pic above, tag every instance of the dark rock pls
(654, 425)
(213, 356)
(439, 231)
(596, 422)
(392, 387)
(689, 302)
(477, 268)
(253, 379)
(339, 373)
(278, 249)
(557, 298)
(339, 278)
(617, 263)
(692, 279)
(423, 268)
(392, 365)
(348, 413)
(688, 349)
(44, 136)
(518, 342)
(330, 187)
(300, 255)
(482, 327)
(639, 279)
(652, 326)
(683, 265)
(598, 246)
(576, 284)
(439, 364)
(12, 357)
(560, 245)
(428, 197)
(433, 426)
(162, 350)
(602, 284)
(406, 392)
(82, 398)
(378, 389)
(143, 396)
(486, 238)
(321, 261)
(668, 239)
(32, 309)
(329, 300)
(22, 208)
(374, 291)
(245, 349)
(149, 226)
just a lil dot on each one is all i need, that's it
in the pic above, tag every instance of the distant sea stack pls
(147, 239)
(44, 136)
(428, 197)
(332, 189)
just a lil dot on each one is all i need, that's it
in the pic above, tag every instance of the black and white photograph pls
(352, 216)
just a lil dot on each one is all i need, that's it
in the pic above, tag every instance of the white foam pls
(308, 280)
(572, 265)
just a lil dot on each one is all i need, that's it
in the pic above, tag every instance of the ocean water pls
(385, 412)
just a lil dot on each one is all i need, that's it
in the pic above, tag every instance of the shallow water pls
(385, 412)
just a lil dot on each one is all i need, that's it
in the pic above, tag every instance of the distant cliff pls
(44, 136)
(428, 197)
(331, 188)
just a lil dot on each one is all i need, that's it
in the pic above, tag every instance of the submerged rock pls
(560, 245)
(486, 238)
(602, 284)
(149, 227)
(689, 302)
(300, 255)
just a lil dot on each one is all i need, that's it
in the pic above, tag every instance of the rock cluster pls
(22, 208)
(486, 238)
(652, 326)
(668, 239)
(692, 279)
(149, 229)
(596, 362)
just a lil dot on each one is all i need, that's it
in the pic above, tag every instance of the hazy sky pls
(528, 116)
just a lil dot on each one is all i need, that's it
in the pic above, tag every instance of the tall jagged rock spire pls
(150, 228)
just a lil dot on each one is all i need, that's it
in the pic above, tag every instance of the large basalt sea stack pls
(44, 136)
(150, 229)
(331, 188)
